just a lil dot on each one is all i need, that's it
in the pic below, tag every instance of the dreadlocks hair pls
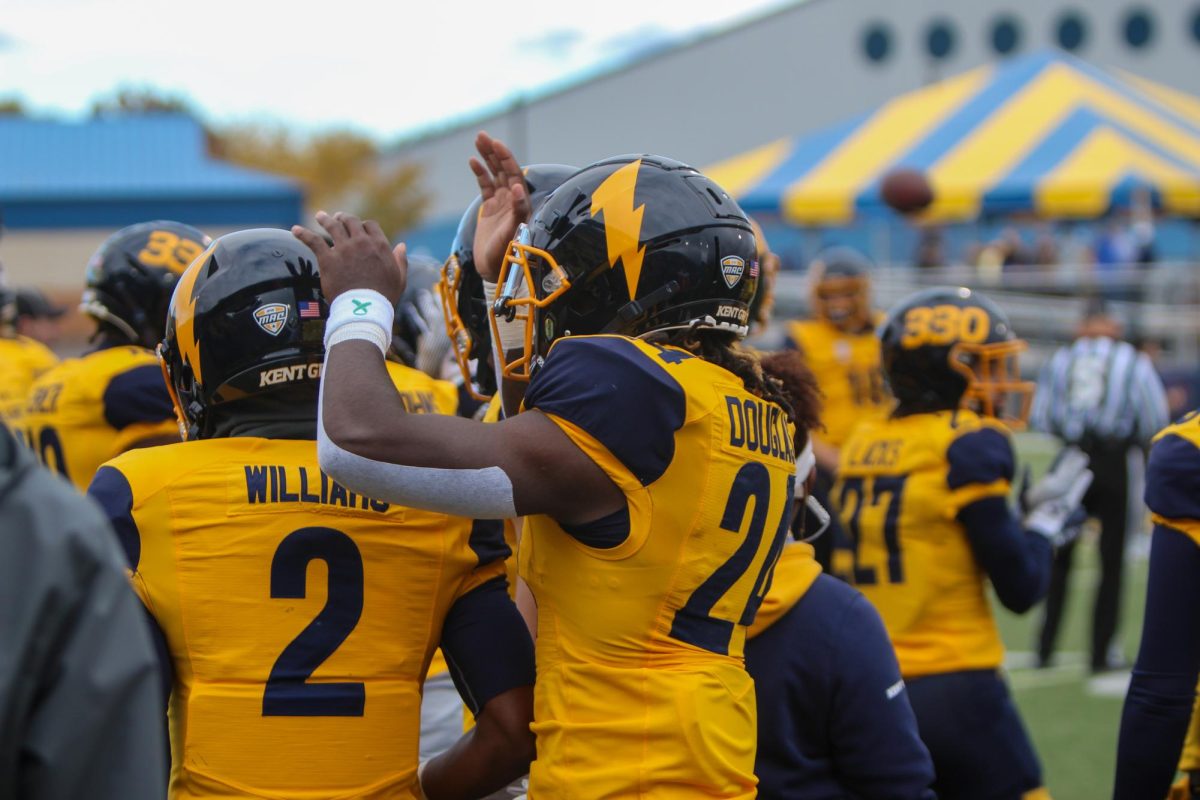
(721, 348)
(791, 371)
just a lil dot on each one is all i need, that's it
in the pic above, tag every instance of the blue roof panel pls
(122, 157)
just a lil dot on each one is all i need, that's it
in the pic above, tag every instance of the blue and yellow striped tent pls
(1044, 133)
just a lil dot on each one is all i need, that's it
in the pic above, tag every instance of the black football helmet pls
(840, 281)
(418, 315)
(247, 318)
(131, 277)
(468, 319)
(686, 253)
(950, 347)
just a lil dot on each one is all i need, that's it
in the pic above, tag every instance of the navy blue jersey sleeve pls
(620, 396)
(983, 456)
(487, 645)
(487, 541)
(1017, 561)
(1173, 478)
(111, 490)
(137, 395)
(468, 406)
(876, 745)
(1159, 703)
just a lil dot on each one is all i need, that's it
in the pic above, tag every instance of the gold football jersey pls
(1171, 479)
(642, 616)
(847, 369)
(300, 617)
(901, 483)
(22, 360)
(422, 394)
(87, 410)
(1174, 457)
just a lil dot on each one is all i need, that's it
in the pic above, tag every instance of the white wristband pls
(512, 332)
(366, 331)
(359, 305)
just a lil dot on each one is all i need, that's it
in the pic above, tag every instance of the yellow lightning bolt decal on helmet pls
(183, 303)
(622, 222)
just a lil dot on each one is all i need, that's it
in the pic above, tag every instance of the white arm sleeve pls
(476, 493)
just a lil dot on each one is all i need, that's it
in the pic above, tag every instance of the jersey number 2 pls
(288, 692)
(693, 623)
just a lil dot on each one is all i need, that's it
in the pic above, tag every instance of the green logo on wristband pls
(360, 307)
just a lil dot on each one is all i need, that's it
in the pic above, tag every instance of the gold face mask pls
(166, 373)
(994, 385)
(842, 301)
(461, 340)
(521, 295)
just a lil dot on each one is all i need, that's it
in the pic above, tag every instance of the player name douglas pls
(760, 427)
(279, 484)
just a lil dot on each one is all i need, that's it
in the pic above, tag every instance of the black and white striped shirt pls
(1098, 389)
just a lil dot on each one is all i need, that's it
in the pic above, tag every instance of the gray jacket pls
(81, 713)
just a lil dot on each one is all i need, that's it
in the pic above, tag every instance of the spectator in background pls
(1116, 251)
(1013, 248)
(1104, 397)
(1115, 246)
(931, 251)
(1142, 227)
(1045, 250)
(37, 317)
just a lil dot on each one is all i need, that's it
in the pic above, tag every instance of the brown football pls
(906, 190)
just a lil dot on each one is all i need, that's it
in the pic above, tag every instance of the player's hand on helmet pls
(505, 203)
(1053, 504)
(360, 257)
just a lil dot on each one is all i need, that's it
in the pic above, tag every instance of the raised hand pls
(361, 257)
(505, 203)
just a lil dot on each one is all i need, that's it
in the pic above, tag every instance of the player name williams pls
(759, 427)
(278, 484)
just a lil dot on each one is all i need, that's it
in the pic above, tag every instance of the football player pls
(465, 313)
(833, 717)
(89, 409)
(468, 287)
(763, 305)
(419, 346)
(288, 681)
(923, 498)
(22, 360)
(840, 347)
(1162, 689)
(629, 287)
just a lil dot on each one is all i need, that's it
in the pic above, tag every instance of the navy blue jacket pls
(834, 720)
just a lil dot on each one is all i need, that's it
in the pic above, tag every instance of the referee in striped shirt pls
(1103, 396)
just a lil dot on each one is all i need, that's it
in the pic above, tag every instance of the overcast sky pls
(389, 68)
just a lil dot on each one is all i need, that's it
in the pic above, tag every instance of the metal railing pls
(1159, 302)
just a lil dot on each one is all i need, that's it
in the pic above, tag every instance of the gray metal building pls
(797, 69)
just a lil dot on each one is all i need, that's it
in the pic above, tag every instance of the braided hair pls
(722, 348)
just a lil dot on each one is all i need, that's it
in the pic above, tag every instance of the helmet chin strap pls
(636, 308)
(96, 310)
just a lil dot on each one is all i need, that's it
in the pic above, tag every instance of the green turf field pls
(1073, 718)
